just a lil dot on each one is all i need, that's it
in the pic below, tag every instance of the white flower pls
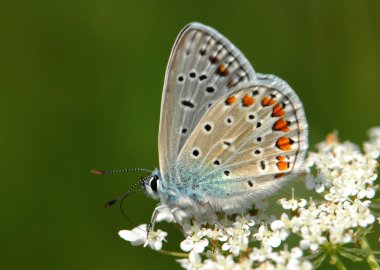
(139, 236)
(155, 239)
(244, 221)
(317, 183)
(365, 218)
(343, 185)
(260, 254)
(237, 240)
(195, 242)
(268, 237)
(284, 256)
(278, 227)
(190, 229)
(366, 192)
(282, 259)
(136, 236)
(235, 244)
(311, 238)
(193, 262)
(220, 263)
(196, 238)
(292, 203)
(372, 148)
(217, 233)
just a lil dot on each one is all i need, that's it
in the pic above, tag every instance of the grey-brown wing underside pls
(248, 143)
(203, 66)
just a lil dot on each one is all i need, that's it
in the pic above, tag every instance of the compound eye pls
(153, 183)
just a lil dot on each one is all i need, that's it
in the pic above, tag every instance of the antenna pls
(128, 192)
(99, 172)
(125, 194)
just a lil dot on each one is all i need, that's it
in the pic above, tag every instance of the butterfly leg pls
(154, 216)
(177, 217)
(176, 214)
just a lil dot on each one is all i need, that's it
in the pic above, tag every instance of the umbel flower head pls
(331, 223)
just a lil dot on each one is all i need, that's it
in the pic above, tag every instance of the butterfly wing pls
(203, 66)
(245, 146)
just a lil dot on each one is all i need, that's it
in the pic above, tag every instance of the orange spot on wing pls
(222, 70)
(284, 144)
(281, 125)
(247, 100)
(267, 101)
(282, 165)
(230, 100)
(278, 110)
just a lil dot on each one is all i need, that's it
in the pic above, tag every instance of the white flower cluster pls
(139, 236)
(341, 179)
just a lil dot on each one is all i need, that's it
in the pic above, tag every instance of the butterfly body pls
(228, 136)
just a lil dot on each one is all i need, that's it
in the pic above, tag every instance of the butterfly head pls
(152, 184)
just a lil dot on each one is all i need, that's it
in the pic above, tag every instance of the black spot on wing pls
(187, 103)
(202, 77)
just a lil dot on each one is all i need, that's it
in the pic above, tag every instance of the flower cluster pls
(331, 223)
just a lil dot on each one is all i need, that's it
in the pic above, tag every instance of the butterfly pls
(228, 136)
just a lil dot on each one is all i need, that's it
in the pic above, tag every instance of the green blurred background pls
(80, 88)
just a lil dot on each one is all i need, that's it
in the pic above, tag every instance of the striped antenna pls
(119, 171)
(125, 194)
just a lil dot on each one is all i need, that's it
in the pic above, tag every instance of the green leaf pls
(351, 256)
(317, 263)
(355, 251)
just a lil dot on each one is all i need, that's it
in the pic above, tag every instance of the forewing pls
(203, 66)
(249, 142)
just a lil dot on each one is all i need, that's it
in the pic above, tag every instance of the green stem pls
(339, 264)
(174, 254)
(371, 260)
(332, 250)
